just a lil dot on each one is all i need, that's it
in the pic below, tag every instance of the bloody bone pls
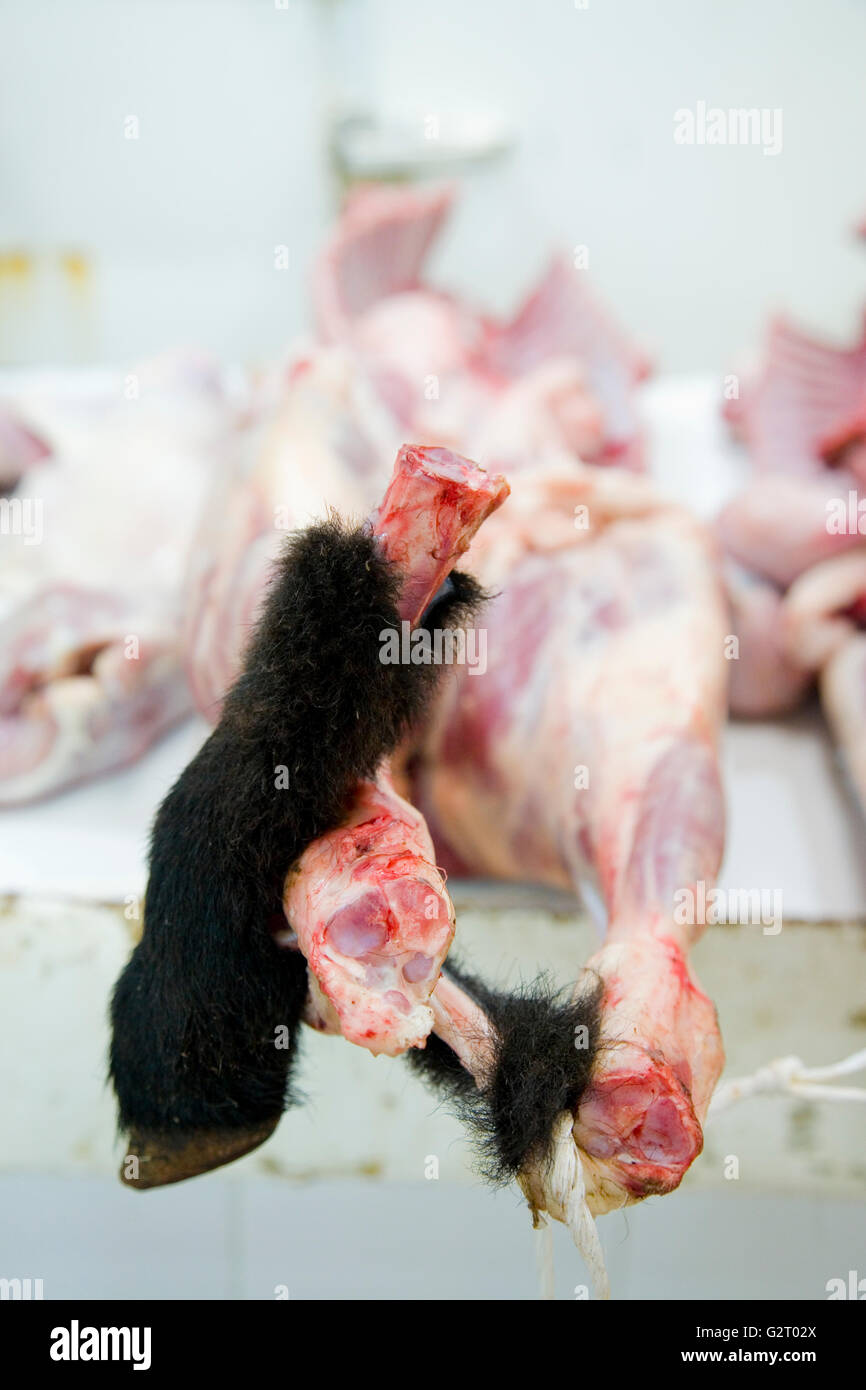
(434, 505)
(198, 1012)
(374, 920)
(366, 900)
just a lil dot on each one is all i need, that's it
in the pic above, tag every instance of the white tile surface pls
(216, 1239)
(92, 1238)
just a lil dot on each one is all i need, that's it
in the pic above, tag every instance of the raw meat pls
(586, 758)
(374, 920)
(91, 670)
(766, 678)
(795, 533)
(19, 448)
(777, 527)
(797, 586)
(775, 531)
(443, 368)
(805, 403)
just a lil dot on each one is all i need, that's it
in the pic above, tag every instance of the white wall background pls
(693, 245)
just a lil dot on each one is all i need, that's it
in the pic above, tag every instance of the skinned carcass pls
(586, 758)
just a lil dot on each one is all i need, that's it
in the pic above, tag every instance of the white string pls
(565, 1189)
(544, 1257)
(790, 1076)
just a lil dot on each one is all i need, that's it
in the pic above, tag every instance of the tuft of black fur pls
(456, 601)
(196, 1012)
(545, 1047)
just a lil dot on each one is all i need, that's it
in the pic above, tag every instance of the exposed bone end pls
(638, 1123)
(375, 922)
(375, 960)
(161, 1158)
(435, 503)
(637, 1134)
(637, 1131)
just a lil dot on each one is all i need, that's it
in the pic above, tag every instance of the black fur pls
(195, 1012)
(538, 1072)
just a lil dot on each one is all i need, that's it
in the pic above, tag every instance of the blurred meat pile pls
(103, 497)
(795, 537)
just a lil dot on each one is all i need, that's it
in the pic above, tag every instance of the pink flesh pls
(77, 698)
(311, 419)
(823, 622)
(806, 393)
(798, 584)
(369, 295)
(765, 678)
(561, 318)
(844, 441)
(374, 920)
(377, 250)
(777, 526)
(843, 697)
(20, 447)
(434, 504)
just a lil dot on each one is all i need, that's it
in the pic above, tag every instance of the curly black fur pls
(539, 1069)
(194, 1062)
